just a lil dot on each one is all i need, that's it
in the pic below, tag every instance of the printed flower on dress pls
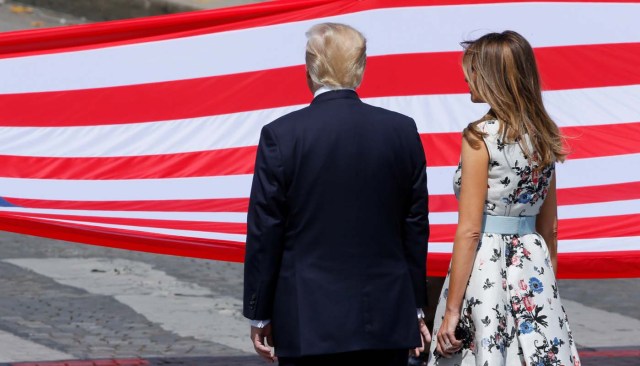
(523, 285)
(526, 328)
(529, 304)
(536, 285)
(525, 197)
(532, 186)
(547, 353)
(515, 253)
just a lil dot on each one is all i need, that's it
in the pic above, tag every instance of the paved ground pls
(91, 302)
(31, 14)
(100, 306)
(100, 10)
(73, 301)
(18, 16)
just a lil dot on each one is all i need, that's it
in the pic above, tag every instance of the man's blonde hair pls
(335, 55)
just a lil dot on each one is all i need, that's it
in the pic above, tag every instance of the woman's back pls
(515, 187)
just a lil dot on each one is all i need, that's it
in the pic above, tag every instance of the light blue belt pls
(509, 224)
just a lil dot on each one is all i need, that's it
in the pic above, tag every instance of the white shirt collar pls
(324, 89)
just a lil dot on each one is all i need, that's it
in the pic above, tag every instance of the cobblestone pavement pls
(47, 302)
(87, 325)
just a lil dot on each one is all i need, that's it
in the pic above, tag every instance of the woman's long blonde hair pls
(501, 70)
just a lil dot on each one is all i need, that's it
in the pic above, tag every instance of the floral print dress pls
(511, 312)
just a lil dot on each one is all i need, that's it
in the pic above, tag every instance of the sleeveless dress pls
(511, 311)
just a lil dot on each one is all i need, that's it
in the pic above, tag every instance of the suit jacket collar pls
(336, 94)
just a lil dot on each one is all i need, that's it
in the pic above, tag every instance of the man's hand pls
(425, 338)
(263, 349)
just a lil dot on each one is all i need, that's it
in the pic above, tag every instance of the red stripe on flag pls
(443, 202)
(389, 75)
(126, 239)
(591, 227)
(560, 68)
(438, 264)
(204, 226)
(603, 193)
(593, 141)
(203, 205)
(580, 228)
(566, 67)
(566, 196)
(610, 353)
(194, 164)
(160, 101)
(441, 149)
(625, 264)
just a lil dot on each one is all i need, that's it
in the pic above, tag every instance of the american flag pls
(141, 134)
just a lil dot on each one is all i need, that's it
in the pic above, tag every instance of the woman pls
(500, 304)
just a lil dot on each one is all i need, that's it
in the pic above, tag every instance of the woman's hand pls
(447, 344)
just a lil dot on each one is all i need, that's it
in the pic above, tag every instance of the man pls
(335, 262)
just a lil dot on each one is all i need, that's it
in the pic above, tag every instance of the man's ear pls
(312, 86)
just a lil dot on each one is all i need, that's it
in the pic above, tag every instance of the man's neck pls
(324, 89)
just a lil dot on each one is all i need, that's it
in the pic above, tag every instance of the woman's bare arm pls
(547, 222)
(473, 193)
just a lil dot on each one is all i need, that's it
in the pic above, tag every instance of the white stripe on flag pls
(599, 245)
(571, 246)
(611, 170)
(605, 170)
(414, 30)
(233, 186)
(185, 233)
(231, 217)
(600, 209)
(432, 113)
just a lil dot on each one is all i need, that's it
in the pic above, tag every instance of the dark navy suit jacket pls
(338, 229)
